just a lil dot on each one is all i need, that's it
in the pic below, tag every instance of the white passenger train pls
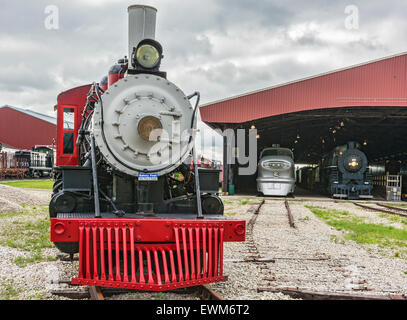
(275, 174)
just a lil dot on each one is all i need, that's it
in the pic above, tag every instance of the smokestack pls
(141, 25)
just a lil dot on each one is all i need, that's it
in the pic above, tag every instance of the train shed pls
(366, 103)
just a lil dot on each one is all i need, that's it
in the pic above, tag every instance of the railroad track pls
(290, 215)
(253, 250)
(307, 294)
(99, 293)
(385, 209)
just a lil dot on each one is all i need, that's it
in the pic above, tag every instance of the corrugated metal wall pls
(379, 83)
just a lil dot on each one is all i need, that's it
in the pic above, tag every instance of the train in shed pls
(128, 194)
(342, 173)
(275, 173)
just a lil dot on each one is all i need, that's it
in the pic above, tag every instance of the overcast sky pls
(218, 47)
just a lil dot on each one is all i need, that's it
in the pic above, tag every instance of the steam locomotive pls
(128, 195)
(345, 173)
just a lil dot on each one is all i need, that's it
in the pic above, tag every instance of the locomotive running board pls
(366, 196)
(184, 253)
(339, 195)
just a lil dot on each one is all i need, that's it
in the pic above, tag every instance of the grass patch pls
(249, 201)
(31, 184)
(394, 218)
(7, 290)
(354, 228)
(244, 201)
(398, 205)
(334, 238)
(159, 296)
(230, 214)
(36, 257)
(37, 296)
(28, 231)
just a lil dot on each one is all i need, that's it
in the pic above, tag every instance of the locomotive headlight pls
(276, 165)
(353, 163)
(148, 54)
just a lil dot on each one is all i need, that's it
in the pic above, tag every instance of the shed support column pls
(225, 180)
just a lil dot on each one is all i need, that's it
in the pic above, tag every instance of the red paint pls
(380, 83)
(74, 98)
(147, 230)
(114, 77)
(22, 131)
(182, 236)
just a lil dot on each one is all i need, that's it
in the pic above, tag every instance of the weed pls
(27, 231)
(159, 296)
(7, 290)
(36, 296)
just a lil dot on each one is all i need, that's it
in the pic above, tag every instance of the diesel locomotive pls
(128, 194)
(275, 174)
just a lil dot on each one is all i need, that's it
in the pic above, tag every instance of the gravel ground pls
(12, 198)
(305, 257)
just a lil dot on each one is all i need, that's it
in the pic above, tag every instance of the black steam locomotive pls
(128, 194)
(344, 172)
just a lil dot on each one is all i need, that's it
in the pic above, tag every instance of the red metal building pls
(365, 103)
(23, 129)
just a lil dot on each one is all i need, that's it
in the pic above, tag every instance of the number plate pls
(272, 186)
(147, 176)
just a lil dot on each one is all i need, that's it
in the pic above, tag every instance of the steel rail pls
(206, 293)
(290, 215)
(390, 207)
(322, 295)
(381, 210)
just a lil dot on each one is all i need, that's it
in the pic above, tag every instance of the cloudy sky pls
(218, 47)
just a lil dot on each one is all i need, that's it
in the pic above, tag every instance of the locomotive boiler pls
(128, 195)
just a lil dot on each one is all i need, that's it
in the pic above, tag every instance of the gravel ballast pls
(305, 257)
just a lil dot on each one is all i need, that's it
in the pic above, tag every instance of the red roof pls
(377, 83)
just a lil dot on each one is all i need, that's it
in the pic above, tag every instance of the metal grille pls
(110, 256)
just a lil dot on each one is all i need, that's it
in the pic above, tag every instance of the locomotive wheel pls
(212, 204)
(61, 202)
(67, 247)
(57, 187)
